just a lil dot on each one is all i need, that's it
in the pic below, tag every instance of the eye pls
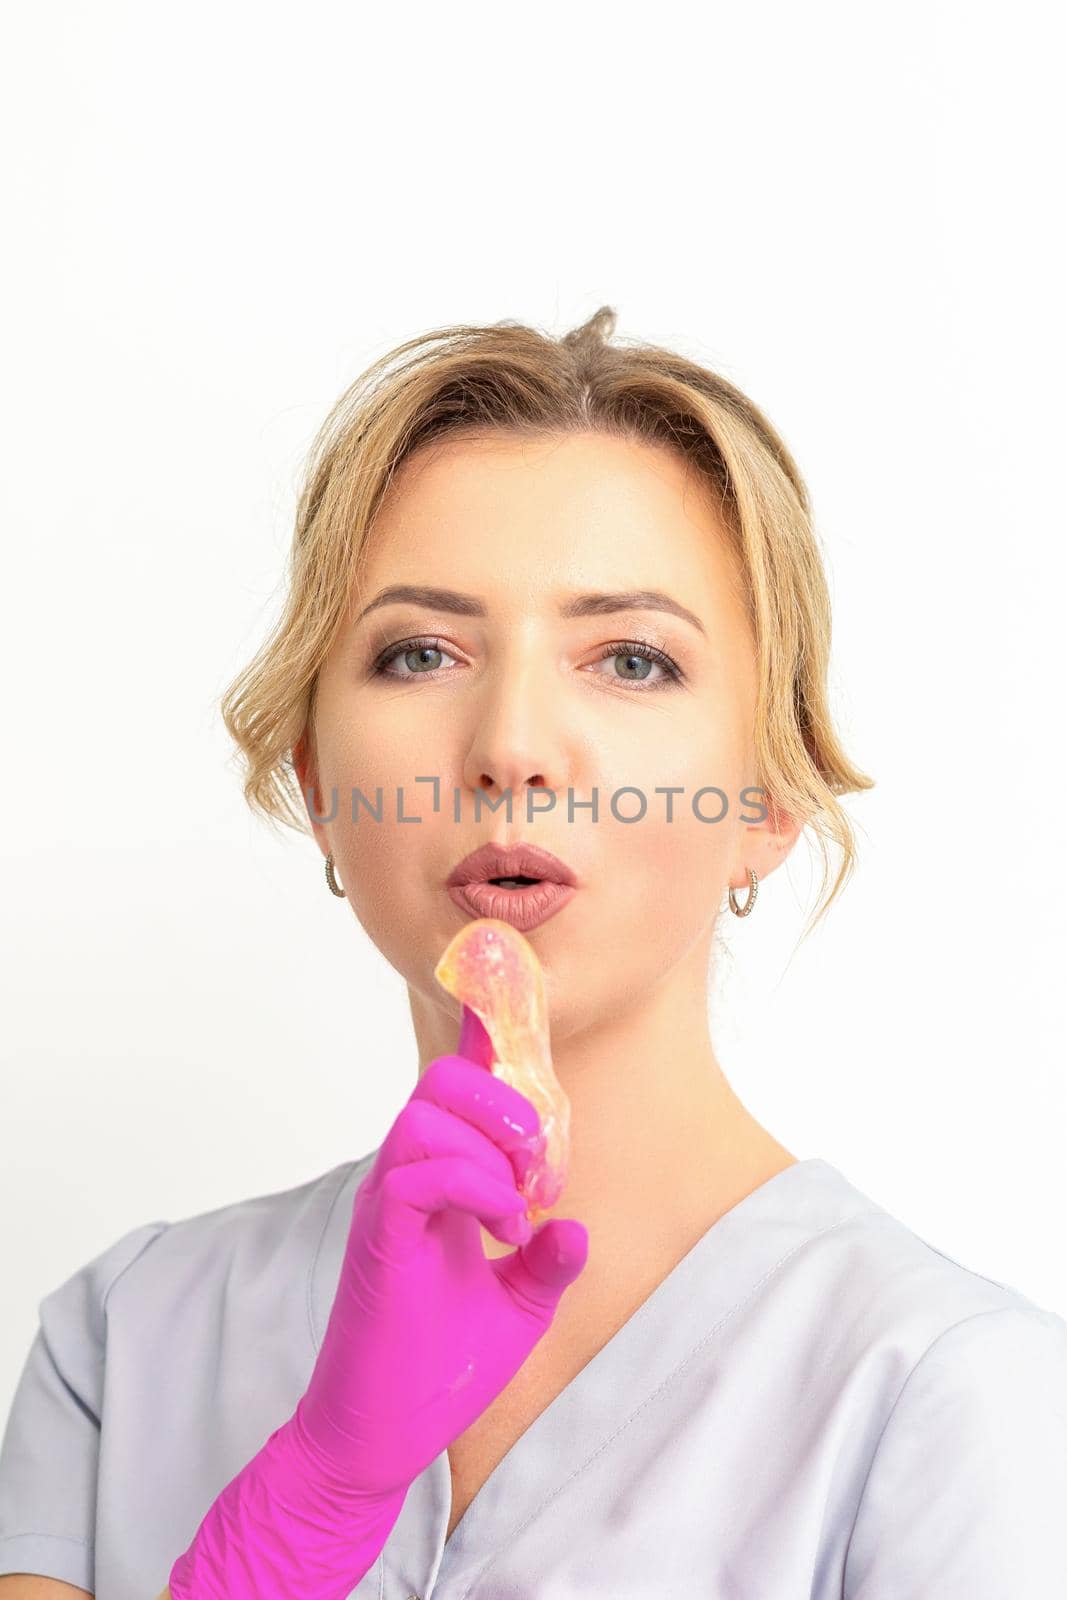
(421, 655)
(638, 663)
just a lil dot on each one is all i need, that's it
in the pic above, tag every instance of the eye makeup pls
(641, 649)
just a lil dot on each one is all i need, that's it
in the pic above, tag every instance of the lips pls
(471, 889)
(511, 861)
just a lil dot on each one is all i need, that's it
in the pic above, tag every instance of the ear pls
(307, 776)
(765, 843)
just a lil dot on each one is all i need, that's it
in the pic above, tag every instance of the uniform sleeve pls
(966, 1498)
(50, 1448)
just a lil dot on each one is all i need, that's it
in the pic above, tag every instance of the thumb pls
(549, 1263)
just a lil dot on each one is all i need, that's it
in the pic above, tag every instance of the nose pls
(516, 740)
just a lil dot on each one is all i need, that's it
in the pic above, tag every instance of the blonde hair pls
(507, 376)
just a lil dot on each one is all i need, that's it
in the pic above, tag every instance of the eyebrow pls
(594, 603)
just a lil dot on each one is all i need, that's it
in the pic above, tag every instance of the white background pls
(217, 215)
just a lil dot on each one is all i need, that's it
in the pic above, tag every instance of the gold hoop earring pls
(753, 890)
(330, 879)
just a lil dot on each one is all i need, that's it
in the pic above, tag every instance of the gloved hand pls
(423, 1334)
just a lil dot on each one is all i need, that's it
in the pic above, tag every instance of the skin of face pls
(522, 697)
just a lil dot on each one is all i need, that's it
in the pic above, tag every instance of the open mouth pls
(523, 901)
(537, 886)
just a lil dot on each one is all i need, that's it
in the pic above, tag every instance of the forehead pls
(567, 511)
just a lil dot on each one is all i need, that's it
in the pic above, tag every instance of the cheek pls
(702, 759)
(376, 750)
(394, 870)
(665, 876)
(369, 760)
(385, 893)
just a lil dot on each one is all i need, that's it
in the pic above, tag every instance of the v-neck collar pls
(684, 1311)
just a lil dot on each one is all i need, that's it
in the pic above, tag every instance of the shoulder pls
(880, 1319)
(154, 1268)
(1017, 1350)
(967, 1481)
(892, 1290)
(947, 1391)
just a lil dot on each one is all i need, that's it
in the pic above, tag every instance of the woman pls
(583, 578)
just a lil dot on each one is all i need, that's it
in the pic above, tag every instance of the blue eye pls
(422, 658)
(419, 650)
(637, 656)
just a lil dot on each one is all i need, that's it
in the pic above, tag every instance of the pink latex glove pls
(424, 1333)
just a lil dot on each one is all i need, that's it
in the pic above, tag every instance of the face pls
(519, 695)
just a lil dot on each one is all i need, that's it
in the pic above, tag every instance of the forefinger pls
(488, 1103)
(474, 1041)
